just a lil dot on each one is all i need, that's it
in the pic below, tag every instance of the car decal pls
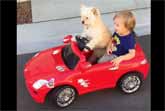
(114, 68)
(39, 83)
(83, 82)
(56, 52)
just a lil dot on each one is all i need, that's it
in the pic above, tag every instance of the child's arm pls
(127, 56)
(109, 47)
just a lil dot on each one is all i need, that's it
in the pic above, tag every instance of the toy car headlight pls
(39, 83)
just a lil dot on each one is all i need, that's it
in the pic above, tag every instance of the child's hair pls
(129, 19)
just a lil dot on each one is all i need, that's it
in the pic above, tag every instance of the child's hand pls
(109, 50)
(116, 61)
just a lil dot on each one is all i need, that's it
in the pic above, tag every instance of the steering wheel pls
(82, 41)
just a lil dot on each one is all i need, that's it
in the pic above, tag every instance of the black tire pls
(130, 83)
(60, 98)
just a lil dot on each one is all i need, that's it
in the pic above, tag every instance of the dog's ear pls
(95, 11)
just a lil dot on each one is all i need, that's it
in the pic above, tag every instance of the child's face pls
(119, 26)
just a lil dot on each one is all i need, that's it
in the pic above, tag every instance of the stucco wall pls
(53, 19)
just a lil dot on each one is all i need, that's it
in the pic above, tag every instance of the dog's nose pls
(82, 22)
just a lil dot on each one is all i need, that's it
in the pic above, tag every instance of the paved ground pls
(104, 100)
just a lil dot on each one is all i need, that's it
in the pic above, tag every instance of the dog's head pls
(89, 15)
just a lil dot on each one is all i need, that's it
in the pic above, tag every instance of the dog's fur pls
(94, 28)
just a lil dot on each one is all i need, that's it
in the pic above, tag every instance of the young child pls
(123, 39)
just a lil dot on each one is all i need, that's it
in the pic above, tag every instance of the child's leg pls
(99, 52)
(92, 59)
(106, 58)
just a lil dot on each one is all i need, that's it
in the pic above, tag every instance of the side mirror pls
(67, 39)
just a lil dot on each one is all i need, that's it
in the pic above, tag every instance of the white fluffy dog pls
(95, 30)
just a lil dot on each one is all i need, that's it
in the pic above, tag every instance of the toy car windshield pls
(69, 57)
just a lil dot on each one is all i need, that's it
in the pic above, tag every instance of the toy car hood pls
(46, 63)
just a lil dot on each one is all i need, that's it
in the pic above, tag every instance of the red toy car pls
(61, 73)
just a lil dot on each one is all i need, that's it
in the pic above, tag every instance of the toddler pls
(123, 39)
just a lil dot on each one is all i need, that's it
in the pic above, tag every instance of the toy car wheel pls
(64, 96)
(130, 83)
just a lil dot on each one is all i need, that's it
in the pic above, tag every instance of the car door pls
(100, 75)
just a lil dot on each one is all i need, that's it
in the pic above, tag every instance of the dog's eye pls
(86, 17)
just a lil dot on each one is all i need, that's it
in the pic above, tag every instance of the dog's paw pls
(86, 50)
